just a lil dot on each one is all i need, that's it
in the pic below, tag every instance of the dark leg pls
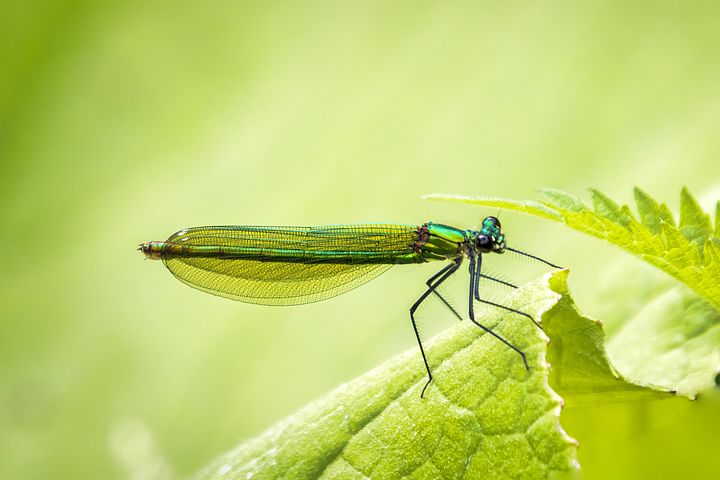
(447, 304)
(476, 292)
(475, 268)
(493, 279)
(439, 277)
(473, 283)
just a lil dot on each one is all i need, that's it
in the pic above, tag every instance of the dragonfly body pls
(333, 244)
(296, 265)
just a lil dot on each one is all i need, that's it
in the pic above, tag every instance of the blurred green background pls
(125, 121)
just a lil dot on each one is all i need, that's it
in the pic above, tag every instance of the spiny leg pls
(475, 286)
(441, 276)
(471, 292)
(493, 279)
(479, 275)
(447, 304)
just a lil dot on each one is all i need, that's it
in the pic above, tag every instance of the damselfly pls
(296, 265)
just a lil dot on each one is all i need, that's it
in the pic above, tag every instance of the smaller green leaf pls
(717, 221)
(562, 200)
(607, 208)
(695, 224)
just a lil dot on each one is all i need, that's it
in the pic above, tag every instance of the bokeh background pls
(125, 121)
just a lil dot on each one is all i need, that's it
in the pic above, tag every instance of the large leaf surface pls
(484, 416)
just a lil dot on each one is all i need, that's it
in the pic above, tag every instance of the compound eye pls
(483, 241)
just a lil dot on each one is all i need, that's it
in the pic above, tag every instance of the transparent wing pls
(359, 253)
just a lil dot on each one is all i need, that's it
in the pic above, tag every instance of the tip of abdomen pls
(152, 250)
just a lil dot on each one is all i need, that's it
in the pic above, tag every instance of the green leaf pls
(484, 415)
(717, 221)
(685, 253)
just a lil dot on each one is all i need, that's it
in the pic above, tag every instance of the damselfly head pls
(152, 250)
(490, 237)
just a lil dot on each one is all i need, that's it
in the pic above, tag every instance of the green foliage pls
(670, 340)
(484, 415)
